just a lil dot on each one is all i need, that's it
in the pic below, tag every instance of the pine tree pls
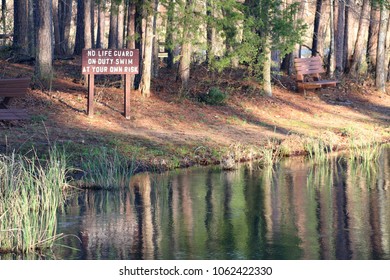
(20, 42)
(380, 80)
(44, 49)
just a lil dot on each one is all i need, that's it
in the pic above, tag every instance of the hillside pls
(169, 130)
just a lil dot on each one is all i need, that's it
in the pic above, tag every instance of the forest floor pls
(168, 130)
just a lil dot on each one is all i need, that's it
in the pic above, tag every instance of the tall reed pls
(31, 191)
(107, 169)
(316, 149)
(364, 151)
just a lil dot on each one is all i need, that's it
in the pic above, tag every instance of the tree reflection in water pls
(334, 210)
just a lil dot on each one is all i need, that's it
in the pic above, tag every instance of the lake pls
(338, 209)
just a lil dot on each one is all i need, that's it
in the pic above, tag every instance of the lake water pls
(298, 210)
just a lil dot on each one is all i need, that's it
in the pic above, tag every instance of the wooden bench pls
(11, 88)
(308, 74)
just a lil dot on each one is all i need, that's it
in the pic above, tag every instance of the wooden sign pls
(110, 62)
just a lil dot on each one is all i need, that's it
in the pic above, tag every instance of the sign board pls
(110, 61)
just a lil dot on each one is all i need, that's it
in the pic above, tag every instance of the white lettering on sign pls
(107, 61)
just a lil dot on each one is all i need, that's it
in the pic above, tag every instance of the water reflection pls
(337, 210)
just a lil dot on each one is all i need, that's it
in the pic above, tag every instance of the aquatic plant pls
(31, 191)
(316, 149)
(106, 168)
(271, 152)
(364, 151)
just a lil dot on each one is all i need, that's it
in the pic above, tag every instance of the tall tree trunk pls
(130, 38)
(156, 45)
(101, 24)
(380, 80)
(113, 33)
(93, 42)
(65, 24)
(317, 20)
(373, 31)
(44, 48)
(346, 48)
(387, 60)
(332, 59)
(211, 31)
(57, 38)
(121, 22)
(323, 30)
(148, 48)
(358, 58)
(169, 36)
(267, 86)
(20, 43)
(131, 25)
(87, 24)
(186, 48)
(80, 43)
(340, 36)
(3, 19)
(31, 28)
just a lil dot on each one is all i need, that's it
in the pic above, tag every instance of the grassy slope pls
(170, 131)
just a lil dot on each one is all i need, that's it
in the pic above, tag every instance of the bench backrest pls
(308, 66)
(14, 87)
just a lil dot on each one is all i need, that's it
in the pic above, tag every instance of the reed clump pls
(31, 192)
(272, 152)
(364, 151)
(105, 168)
(317, 150)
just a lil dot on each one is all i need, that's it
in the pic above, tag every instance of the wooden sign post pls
(110, 62)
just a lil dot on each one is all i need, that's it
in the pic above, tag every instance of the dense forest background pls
(263, 36)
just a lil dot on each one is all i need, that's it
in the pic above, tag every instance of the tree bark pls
(57, 39)
(31, 28)
(387, 60)
(113, 33)
(317, 20)
(267, 86)
(169, 37)
(65, 24)
(346, 48)
(80, 43)
(332, 59)
(20, 43)
(340, 36)
(373, 37)
(44, 48)
(380, 80)
(185, 58)
(156, 59)
(211, 32)
(358, 58)
(3, 19)
(121, 22)
(131, 25)
(101, 24)
(323, 30)
(148, 48)
(87, 24)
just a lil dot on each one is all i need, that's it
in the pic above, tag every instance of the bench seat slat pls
(13, 114)
(13, 92)
(311, 71)
(11, 83)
